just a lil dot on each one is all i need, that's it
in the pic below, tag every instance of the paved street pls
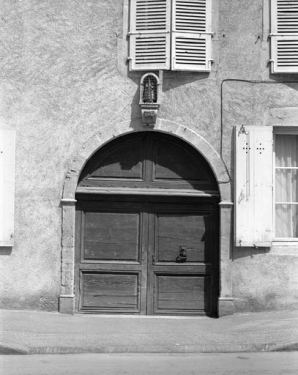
(27, 332)
(152, 364)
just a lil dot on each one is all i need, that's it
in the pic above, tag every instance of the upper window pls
(286, 186)
(284, 36)
(170, 35)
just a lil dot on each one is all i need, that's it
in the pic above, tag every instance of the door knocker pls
(182, 256)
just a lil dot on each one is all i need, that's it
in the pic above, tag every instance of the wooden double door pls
(147, 256)
(147, 229)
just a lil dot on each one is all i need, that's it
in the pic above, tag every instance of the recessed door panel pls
(181, 230)
(112, 236)
(124, 161)
(107, 291)
(176, 163)
(183, 293)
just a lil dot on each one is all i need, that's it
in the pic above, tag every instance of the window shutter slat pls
(287, 16)
(190, 15)
(253, 186)
(191, 35)
(7, 173)
(284, 39)
(150, 34)
(191, 52)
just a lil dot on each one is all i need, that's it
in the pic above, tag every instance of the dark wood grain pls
(185, 230)
(110, 291)
(174, 162)
(111, 236)
(123, 161)
(183, 292)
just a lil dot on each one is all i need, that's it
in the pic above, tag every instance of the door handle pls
(182, 255)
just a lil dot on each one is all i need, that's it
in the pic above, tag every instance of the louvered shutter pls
(284, 36)
(253, 186)
(7, 173)
(191, 35)
(150, 34)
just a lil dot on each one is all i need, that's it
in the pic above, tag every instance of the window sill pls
(285, 247)
(285, 242)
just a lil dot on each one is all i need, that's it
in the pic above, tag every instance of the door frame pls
(68, 202)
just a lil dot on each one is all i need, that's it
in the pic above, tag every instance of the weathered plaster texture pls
(193, 101)
(64, 78)
(240, 33)
(261, 279)
(59, 84)
(251, 103)
(264, 281)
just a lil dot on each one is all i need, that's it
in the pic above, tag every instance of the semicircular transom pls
(149, 160)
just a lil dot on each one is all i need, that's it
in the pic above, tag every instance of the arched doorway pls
(147, 229)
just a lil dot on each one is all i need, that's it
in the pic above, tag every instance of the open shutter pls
(284, 36)
(254, 186)
(7, 169)
(149, 34)
(191, 35)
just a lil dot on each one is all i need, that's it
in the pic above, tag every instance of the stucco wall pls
(265, 279)
(63, 77)
(262, 278)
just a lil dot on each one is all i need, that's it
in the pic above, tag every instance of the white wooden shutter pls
(191, 35)
(284, 36)
(7, 172)
(253, 186)
(149, 35)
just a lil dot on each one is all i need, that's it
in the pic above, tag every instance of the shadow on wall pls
(171, 80)
(6, 250)
(244, 252)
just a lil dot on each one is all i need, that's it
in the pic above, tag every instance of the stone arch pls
(108, 133)
(68, 201)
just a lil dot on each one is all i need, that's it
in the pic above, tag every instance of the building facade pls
(173, 194)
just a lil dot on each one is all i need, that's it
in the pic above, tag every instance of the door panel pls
(123, 162)
(172, 162)
(112, 267)
(110, 291)
(180, 230)
(183, 293)
(182, 286)
(112, 236)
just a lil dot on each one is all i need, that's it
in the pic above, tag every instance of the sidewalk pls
(30, 332)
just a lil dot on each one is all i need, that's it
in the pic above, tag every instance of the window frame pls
(283, 130)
